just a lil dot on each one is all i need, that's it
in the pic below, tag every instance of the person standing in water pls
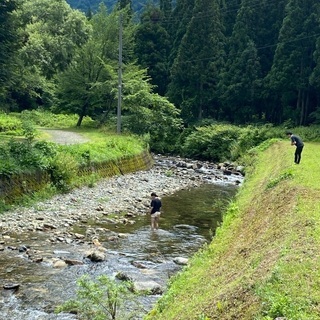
(155, 211)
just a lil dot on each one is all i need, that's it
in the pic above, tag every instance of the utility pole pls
(119, 77)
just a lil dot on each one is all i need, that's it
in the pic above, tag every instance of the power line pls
(223, 11)
(260, 48)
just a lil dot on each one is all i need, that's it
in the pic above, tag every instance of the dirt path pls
(65, 137)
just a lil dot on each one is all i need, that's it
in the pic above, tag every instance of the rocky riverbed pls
(54, 240)
(123, 197)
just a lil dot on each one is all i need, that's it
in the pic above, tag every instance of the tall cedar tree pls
(198, 62)
(8, 44)
(229, 11)
(177, 25)
(240, 76)
(314, 116)
(253, 37)
(123, 3)
(293, 62)
(152, 47)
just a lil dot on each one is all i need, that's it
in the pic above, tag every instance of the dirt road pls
(65, 137)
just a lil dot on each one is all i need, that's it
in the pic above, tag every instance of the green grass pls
(104, 146)
(64, 161)
(264, 262)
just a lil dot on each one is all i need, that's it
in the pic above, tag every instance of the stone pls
(96, 255)
(181, 261)
(60, 264)
(11, 286)
(73, 262)
(150, 287)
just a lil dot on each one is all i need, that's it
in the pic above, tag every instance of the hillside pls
(264, 262)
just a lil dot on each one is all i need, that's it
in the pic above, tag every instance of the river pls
(188, 221)
(33, 240)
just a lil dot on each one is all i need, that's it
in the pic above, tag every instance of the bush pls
(220, 142)
(44, 118)
(211, 142)
(10, 124)
(63, 169)
(100, 299)
(252, 136)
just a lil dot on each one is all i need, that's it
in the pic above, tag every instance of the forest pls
(183, 63)
(92, 5)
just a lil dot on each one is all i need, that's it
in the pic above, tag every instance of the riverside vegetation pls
(263, 261)
(25, 148)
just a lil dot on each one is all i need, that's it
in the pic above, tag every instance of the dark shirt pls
(298, 141)
(156, 205)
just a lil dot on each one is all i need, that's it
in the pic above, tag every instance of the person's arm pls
(293, 141)
(151, 205)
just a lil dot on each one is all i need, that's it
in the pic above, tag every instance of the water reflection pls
(198, 207)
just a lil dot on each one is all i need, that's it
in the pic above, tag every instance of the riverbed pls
(44, 249)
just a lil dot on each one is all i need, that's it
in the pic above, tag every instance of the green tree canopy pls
(152, 47)
(294, 62)
(51, 33)
(194, 75)
(8, 44)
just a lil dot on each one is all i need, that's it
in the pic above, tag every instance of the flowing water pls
(188, 220)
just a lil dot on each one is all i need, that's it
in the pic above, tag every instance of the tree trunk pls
(80, 120)
(200, 100)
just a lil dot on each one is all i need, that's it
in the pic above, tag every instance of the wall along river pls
(188, 220)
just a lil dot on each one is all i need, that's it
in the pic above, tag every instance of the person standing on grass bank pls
(296, 141)
(155, 211)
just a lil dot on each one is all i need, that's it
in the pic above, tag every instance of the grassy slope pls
(264, 262)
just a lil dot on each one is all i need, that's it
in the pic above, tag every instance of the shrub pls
(63, 168)
(44, 118)
(10, 124)
(100, 299)
(251, 136)
(211, 142)
(220, 142)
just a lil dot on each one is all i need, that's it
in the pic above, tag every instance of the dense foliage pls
(240, 62)
(102, 298)
(24, 150)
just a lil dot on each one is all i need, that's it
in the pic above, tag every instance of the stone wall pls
(16, 186)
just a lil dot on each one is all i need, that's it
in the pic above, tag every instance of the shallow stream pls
(188, 220)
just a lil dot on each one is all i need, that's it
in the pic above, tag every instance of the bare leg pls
(156, 222)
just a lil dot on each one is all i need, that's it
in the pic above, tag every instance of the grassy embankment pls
(264, 262)
(25, 148)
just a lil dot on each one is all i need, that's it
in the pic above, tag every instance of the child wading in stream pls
(155, 211)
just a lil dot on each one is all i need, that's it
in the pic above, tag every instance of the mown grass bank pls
(264, 262)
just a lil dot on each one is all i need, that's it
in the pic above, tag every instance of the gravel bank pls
(129, 193)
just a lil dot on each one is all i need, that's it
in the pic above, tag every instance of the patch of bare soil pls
(65, 137)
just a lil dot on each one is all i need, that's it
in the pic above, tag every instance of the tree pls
(194, 74)
(52, 32)
(152, 47)
(148, 112)
(315, 82)
(229, 11)
(88, 86)
(294, 62)
(177, 25)
(240, 76)
(8, 44)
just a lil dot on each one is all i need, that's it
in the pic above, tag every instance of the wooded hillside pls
(238, 61)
